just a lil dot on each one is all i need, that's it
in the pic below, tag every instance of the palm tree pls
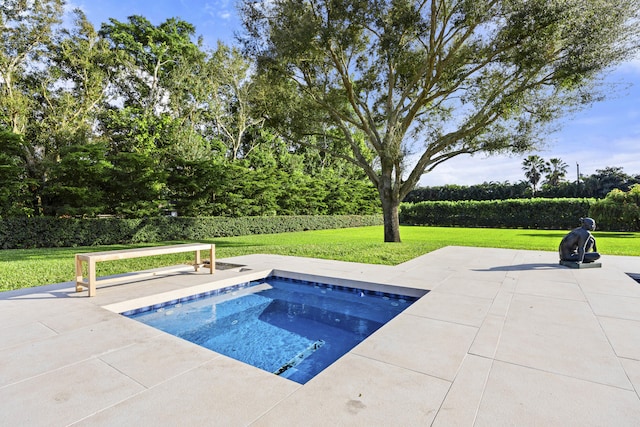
(556, 171)
(534, 167)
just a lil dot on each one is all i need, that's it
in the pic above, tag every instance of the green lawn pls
(34, 267)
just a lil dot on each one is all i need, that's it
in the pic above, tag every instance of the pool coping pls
(503, 337)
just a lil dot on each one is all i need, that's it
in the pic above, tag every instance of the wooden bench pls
(94, 257)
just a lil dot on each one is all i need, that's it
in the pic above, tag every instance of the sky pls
(606, 134)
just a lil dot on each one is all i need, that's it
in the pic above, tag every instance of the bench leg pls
(198, 260)
(92, 277)
(79, 287)
(212, 258)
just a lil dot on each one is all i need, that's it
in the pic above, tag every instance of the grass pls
(22, 268)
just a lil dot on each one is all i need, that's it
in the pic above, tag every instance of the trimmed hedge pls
(538, 213)
(47, 232)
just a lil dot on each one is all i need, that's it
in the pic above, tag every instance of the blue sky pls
(606, 134)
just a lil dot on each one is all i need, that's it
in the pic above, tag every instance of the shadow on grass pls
(558, 235)
(615, 235)
(229, 244)
(604, 235)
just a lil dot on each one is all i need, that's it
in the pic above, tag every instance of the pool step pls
(295, 316)
(224, 320)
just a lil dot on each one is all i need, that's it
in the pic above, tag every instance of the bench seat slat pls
(140, 252)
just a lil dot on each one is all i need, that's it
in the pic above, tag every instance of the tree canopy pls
(534, 167)
(136, 119)
(424, 81)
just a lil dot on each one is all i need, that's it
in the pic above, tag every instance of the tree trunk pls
(390, 204)
(391, 221)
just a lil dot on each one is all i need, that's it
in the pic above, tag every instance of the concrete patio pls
(504, 337)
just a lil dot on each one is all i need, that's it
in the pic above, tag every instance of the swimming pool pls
(289, 327)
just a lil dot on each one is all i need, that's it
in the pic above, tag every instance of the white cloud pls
(220, 9)
(591, 155)
(470, 170)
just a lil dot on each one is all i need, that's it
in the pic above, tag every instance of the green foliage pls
(536, 213)
(192, 185)
(556, 171)
(619, 210)
(146, 59)
(136, 185)
(48, 232)
(68, 90)
(604, 180)
(25, 30)
(14, 184)
(176, 131)
(484, 191)
(77, 183)
(534, 167)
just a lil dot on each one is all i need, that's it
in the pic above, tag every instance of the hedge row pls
(557, 214)
(46, 232)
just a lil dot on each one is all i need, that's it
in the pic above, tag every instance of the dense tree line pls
(136, 119)
(596, 185)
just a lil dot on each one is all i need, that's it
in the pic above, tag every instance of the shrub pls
(44, 232)
(618, 210)
(514, 213)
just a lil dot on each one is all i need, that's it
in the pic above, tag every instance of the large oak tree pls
(25, 31)
(423, 81)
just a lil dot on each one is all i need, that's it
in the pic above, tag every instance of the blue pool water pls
(291, 328)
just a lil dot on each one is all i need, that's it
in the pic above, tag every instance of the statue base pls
(573, 264)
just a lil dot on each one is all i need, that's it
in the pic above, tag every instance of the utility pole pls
(578, 173)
